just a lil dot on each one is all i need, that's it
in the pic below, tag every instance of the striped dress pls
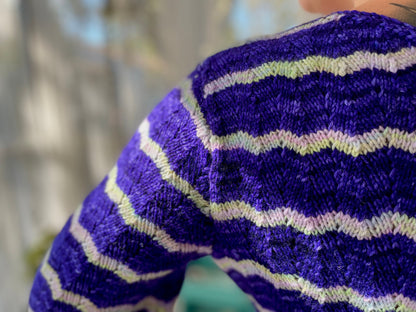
(289, 159)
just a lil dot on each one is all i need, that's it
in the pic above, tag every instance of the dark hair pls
(407, 8)
(407, 13)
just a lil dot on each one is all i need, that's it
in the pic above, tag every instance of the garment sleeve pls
(127, 245)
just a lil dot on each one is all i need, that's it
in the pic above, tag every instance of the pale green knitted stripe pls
(357, 145)
(132, 219)
(336, 294)
(122, 270)
(341, 66)
(386, 223)
(84, 304)
(159, 158)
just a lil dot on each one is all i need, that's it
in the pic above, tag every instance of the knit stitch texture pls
(289, 159)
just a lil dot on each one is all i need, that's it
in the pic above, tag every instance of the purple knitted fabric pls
(288, 159)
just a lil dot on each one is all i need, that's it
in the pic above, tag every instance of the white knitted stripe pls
(84, 238)
(336, 294)
(84, 304)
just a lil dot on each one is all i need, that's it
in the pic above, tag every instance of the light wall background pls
(76, 79)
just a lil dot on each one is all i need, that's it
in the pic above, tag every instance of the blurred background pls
(76, 79)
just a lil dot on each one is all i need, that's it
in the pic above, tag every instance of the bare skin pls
(326, 6)
(404, 10)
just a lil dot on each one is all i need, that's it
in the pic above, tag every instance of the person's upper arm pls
(126, 247)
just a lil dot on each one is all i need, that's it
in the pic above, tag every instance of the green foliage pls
(34, 256)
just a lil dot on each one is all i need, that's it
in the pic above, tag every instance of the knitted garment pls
(289, 159)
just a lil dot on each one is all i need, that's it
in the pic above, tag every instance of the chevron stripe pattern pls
(289, 159)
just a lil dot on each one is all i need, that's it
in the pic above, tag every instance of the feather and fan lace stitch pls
(290, 159)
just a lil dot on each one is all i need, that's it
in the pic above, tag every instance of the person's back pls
(289, 159)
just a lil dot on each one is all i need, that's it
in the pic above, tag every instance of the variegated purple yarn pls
(290, 159)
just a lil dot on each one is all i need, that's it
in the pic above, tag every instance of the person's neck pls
(403, 10)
